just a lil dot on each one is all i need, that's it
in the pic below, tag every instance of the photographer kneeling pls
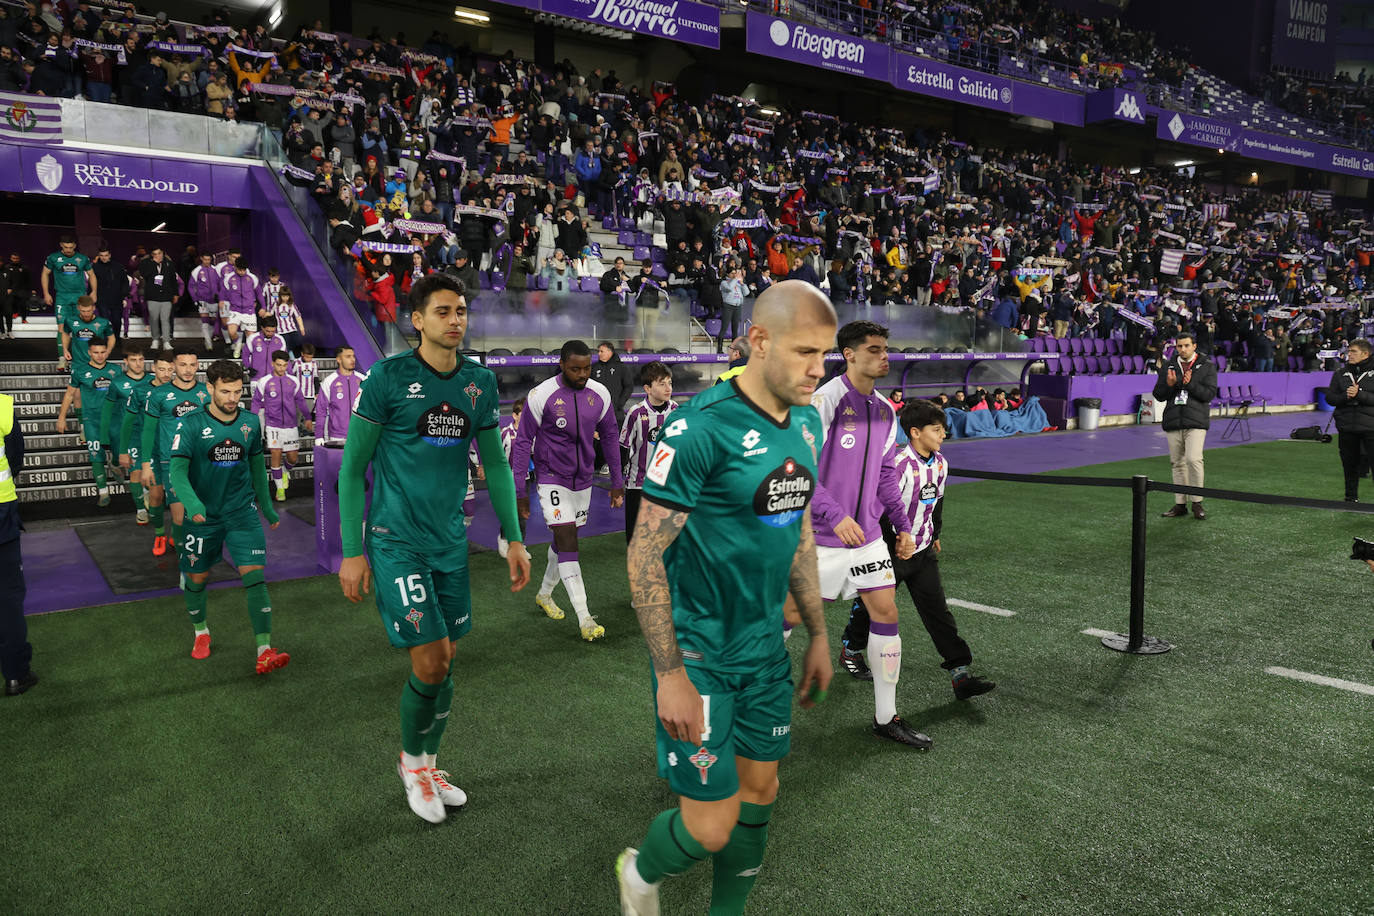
(1352, 395)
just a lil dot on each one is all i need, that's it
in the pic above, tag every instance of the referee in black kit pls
(15, 651)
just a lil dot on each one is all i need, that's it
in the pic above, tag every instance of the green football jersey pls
(83, 332)
(746, 480)
(96, 385)
(167, 404)
(68, 275)
(420, 468)
(221, 454)
(131, 396)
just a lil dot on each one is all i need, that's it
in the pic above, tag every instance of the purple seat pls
(1137, 364)
(608, 223)
(1035, 345)
(1099, 346)
(1221, 363)
(1113, 346)
(1076, 346)
(1080, 365)
(627, 224)
(658, 255)
(659, 272)
(644, 238)
(641, 252)
(1052, 344)
(625, 239)
(1262, 400)
(712, 326)
(589, 284)
(541, 283)
(1118, 367)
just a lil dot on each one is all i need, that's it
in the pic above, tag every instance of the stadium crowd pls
(495, 169)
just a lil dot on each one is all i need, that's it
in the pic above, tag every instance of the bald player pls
(722, 537)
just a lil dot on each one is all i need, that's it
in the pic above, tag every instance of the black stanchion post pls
(1136, 642)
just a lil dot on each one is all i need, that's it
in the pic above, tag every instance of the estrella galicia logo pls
(226, 453)
(183, 409)
(929, 493)
(444, 425)
(783, 496)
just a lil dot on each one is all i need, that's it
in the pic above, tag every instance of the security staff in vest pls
(1352, 394)
(1187, 383)
(15, 651)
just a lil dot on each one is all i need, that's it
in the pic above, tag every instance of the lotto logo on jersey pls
(226, 453)
(783, 495)
(443, 425)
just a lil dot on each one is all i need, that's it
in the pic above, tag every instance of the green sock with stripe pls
(196, 600)
(668, 849)
(418, 701)
(737, 865)
(259, 607)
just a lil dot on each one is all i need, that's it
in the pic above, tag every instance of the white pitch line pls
(1352, 686)
(1098, 633)
(986, 609)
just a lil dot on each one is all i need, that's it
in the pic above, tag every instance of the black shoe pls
(1178, 511)
(1197, 512)
(971, 685)
(15, 687)
(1351, 499)
(855, 664)
(899, 731)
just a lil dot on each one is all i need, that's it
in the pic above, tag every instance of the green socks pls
(736, 867)
(155, 514)
(668, 849)
(418, 703)
(136, 491)
(194, 594)
(442, 703)
(259, 608)
(98, 469)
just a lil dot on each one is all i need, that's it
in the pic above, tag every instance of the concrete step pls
(83, 474)
(50, 492)
(76, 456)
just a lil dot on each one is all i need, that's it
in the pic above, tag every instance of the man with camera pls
(1351, 393)
(1187, 384)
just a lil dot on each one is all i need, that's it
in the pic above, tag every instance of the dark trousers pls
(730, 323)
(15, 650)
(633, 495)
(113, 312)
(1355, 449)
(921, 575)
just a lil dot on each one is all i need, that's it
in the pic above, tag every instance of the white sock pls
(413, 761)
(205, 332)
(201, 629)
(570, 571)
(550, 574)
(263, 649)
(885, 658)
(104, 491)
(432, 760)
(634, 878)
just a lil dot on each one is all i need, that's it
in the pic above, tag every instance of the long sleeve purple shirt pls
(858, 477)
(204, 285)
(557, 428)
(279, 400)
(334, 404)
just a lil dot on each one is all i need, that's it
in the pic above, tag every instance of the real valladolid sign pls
(51, 172)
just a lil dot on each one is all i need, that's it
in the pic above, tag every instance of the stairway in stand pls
(56, 469)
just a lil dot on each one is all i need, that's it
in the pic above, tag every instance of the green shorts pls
(90, 428)
(747, 715)
(203, 544)
(162, 477)
(422, 599)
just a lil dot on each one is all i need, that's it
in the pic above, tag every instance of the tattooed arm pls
(679, 703)
(805, 586)
(805, 581)
(656, 528)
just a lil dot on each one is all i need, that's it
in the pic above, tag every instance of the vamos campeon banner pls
(1305, 35)
(816, 47)
(676, 20)
(1196, 130)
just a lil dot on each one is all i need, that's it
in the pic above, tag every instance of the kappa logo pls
(416, 390)
(1175, 126)
(1130, 108)
(675, 428)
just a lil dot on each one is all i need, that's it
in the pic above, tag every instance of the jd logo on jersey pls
(443, 425)
(226, 453)
(782, 497)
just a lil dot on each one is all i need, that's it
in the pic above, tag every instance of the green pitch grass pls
(1089, 782)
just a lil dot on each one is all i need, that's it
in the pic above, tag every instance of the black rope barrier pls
(1134, 640)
